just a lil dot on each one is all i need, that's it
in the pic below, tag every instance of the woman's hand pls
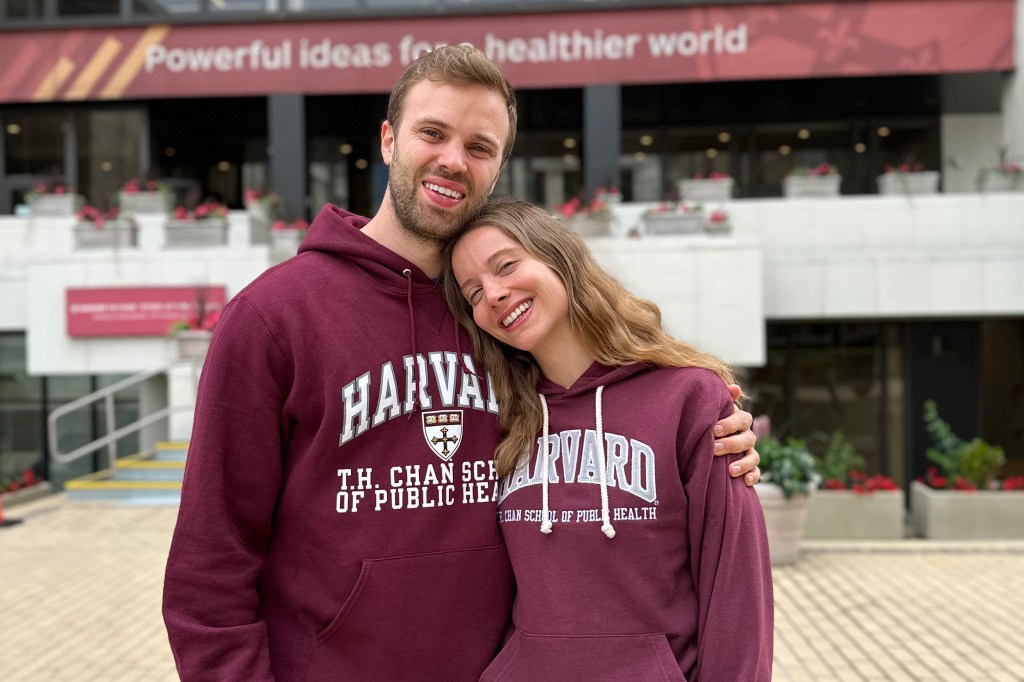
(733, 436)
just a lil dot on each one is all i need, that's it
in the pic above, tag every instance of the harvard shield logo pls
(443, 431)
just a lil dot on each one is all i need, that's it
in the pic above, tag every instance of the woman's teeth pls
(523, 307)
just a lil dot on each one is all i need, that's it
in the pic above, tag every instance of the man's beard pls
(427, 223)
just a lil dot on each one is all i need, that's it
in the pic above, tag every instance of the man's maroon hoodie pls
(337, 514)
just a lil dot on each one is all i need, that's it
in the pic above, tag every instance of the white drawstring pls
(545, 526)
(606, 526)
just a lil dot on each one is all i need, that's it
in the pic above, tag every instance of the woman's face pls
(515, 297)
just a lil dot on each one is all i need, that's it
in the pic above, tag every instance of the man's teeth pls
(443, 190)
(523, 307)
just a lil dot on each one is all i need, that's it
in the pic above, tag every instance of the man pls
(338, 513)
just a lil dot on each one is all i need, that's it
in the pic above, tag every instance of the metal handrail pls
(114, 434)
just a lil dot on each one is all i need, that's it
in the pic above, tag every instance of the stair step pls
(149, 470)
(171, 451)
(102, 485)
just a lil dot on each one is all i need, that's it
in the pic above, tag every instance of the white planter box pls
(845, 515)
(260, 222)
(673, 222)
(192, 344)
(924, 182)
(718, 227)
(809, 186)
(590, 226)
(967, 515)
(212, 232)
(784, 520)
(706, 190)
(113, 234)
(55, 204)
(287, 241)
(144, 202)
(994, 181)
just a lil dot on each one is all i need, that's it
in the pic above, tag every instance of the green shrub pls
(976, 462)
(788, 464)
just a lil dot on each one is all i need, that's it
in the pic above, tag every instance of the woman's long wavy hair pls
(617, 327)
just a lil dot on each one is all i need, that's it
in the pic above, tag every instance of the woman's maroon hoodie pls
(337, 514)
(661, 572)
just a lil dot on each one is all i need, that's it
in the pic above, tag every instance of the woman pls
(636, 555)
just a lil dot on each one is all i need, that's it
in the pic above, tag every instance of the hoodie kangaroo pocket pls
(419, 617)
(594, 658)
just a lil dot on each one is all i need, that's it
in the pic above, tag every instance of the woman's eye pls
(506, 265)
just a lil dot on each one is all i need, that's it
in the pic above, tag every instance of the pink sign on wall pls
(567, 49)
(137, 311)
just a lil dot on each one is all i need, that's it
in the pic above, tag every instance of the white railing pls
(113, 433)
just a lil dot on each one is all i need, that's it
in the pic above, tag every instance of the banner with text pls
(681, 44)
(138, 311)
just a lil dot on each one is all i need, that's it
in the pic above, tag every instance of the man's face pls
(444, 157)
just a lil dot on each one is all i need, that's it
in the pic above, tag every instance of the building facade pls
(217, 97)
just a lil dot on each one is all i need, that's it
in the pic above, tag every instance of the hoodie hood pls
(336, 231)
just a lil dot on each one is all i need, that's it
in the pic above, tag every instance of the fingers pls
(746, 466)
(736, 444)
(735, 422)
(734, 391)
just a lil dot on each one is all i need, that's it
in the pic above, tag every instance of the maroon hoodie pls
(337, 514)
(676, 583)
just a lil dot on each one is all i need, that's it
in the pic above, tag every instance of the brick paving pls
(80, 589)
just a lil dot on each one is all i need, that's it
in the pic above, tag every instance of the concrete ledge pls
(845, 515)
(966, 515)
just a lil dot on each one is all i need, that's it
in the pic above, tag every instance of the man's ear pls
(387, 142)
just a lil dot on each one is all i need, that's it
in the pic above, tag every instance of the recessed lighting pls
(884, 131)
(785, 150)
(569, 143)
(711, 153)
(224, 166)
(106, 166)
(362, 164)
(803, 133)
(170, 151)
(646, 140)
(345, 149)
(860, 147)
(13, 129)
(724, 137)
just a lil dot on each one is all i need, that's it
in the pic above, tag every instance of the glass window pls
(21, 9)
(78, 8)
(34, 144)
(109, 152)
(161, 8)
(22, 421)
(241, 5)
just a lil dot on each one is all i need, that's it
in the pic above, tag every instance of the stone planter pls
(192, 344)
(967, 515)
(55, 204)
(845, 515)
(144, 202)
(706, 190)
(212, 232)
(674, 222)
(259, 222)
(811, 186)
(286, 241)
(785, 521)
(994, 181)
(924, 182)
(718, 227)
(114, 234)
(590, 226)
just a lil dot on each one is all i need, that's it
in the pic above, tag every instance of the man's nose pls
(453, 157)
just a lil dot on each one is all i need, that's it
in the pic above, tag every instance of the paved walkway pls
(80, 593)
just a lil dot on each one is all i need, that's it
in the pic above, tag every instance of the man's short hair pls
(456, 65)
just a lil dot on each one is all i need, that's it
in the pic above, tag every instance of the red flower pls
(180, 213)
(834, 484)
(131, 187)
(59, 189)
(1014, 483)
(963, 484)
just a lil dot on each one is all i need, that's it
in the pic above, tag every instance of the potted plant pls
(718, 222)
(1003, 177)
(668, 218)
(98, 229)
(849, 504)
(908, 179)
(146, 197)
(192, 336)
(264, 209)
(591, 220)
(286, 237)
(822, 180)
(52, 200)
(787, 482)
(716, 186)
(207, 225)
(961, 496)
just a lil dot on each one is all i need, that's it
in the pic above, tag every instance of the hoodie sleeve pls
(729, 554)
(232, 478)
